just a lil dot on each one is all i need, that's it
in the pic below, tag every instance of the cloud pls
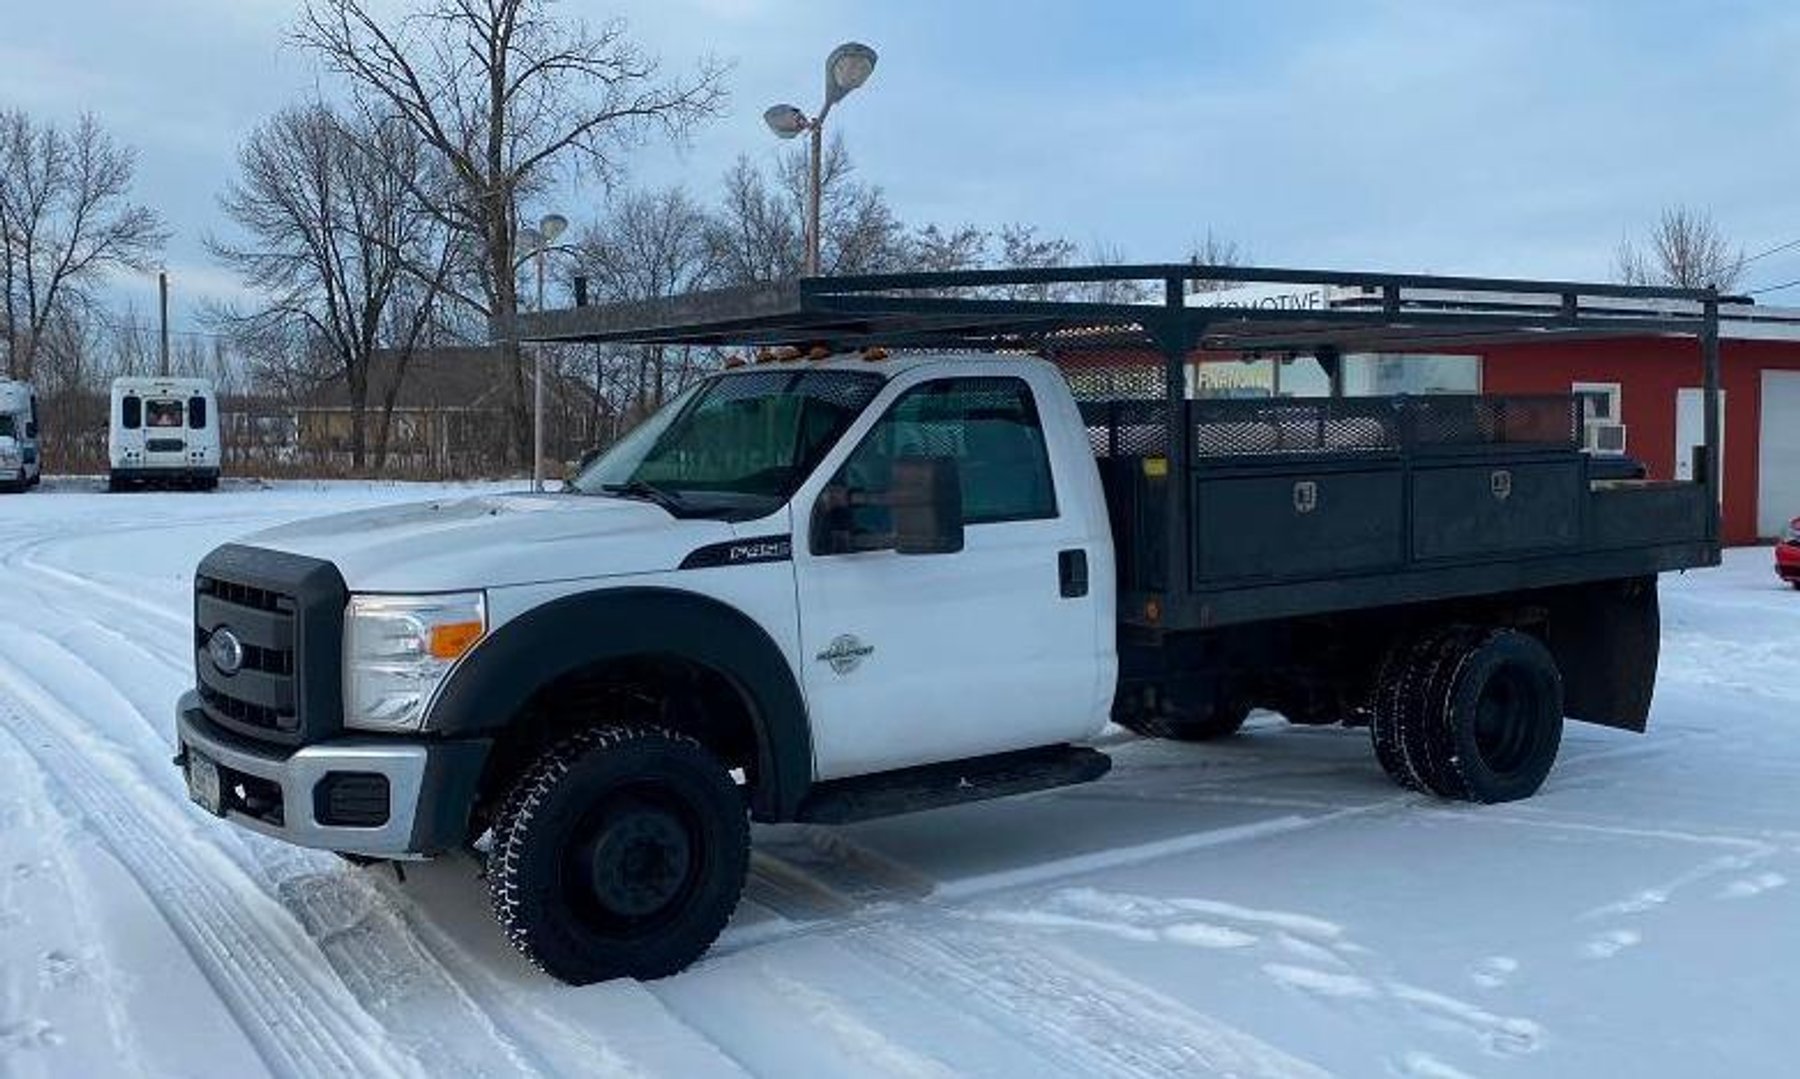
(1523, 137)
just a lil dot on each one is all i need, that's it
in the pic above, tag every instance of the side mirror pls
(30, 428)
(923, 504)
(925, 498)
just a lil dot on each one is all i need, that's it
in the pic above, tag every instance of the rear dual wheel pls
(1469, 714)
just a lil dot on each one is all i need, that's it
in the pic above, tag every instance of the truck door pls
(911, 659)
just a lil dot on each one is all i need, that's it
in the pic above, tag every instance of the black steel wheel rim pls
(635, 860)
(1506, 720)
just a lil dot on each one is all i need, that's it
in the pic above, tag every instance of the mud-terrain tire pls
(1177, 724)
(1469, 714)
(620, 852)
(1409, 677)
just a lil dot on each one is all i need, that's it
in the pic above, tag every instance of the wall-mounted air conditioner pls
(1603, 437)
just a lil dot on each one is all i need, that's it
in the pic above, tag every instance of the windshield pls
(7, 429)
(734, 445)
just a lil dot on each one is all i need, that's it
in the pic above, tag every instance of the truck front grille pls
(275, 677)
(259, 693)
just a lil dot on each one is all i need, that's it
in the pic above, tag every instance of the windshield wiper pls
(646, 492)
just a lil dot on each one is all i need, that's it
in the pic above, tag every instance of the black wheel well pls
(660, 689)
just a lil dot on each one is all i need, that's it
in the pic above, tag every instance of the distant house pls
(449, 418)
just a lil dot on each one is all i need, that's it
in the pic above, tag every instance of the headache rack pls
(1371, 497)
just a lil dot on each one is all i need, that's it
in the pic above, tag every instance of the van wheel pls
(621, 852)
(1469, 714)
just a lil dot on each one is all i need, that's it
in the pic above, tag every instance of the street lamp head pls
(848, 67)
(786, 121)
(552, 226)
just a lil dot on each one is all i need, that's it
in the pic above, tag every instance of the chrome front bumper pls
(430, 787)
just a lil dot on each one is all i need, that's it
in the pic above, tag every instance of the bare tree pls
(332, 242)
(1024, 247)
(759, 232)
(755, 235)
(66, 222)
(1685, 249)
(939, 250)
(652, 244)
(1214, 249)
(506, 95)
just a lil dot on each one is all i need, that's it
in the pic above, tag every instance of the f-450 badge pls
(845, 654)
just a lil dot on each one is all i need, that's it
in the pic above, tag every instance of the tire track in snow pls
(1085, 1014)
(359, 931)
(299, 1017)
(413, 980)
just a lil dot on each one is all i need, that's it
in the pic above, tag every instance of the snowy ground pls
(1268, 907)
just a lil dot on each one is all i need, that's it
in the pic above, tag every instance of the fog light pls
(351, 800)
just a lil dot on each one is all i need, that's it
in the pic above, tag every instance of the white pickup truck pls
(833, 589)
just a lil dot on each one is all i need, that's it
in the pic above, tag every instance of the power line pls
(1772, 288)
(1771, 251)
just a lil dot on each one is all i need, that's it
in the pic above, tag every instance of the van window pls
(7, 427)
(197, 413)
(163, 413)
(131, 412)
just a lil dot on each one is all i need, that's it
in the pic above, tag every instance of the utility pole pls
(162, 288)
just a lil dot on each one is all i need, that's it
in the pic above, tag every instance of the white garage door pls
(1778, 464)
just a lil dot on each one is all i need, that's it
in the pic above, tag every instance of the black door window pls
(988, 425)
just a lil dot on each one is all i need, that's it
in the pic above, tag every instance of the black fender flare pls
(490, 686)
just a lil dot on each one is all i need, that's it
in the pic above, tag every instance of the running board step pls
(934, 786)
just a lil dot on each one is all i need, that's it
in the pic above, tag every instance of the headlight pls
(397, 651)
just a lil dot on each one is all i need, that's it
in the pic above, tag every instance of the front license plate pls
(203, 784)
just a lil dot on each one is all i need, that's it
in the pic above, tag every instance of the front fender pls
(495, 681)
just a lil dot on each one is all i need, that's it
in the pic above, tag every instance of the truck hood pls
(494, 541)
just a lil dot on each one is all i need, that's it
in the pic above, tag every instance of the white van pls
(20, 466)
(164, 431)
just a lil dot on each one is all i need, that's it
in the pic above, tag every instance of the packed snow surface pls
(1268, 907)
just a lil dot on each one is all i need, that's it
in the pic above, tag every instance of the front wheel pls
(621, 852)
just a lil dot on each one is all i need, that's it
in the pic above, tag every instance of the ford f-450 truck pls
(838, 583)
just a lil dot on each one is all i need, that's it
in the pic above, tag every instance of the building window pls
(1600, 401)
(1383, 374)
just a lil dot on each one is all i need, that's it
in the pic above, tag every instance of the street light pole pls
(812, 197)
(848, 67)
(538, 242)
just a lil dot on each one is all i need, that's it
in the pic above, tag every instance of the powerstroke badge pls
(845, 654)
(741, 552)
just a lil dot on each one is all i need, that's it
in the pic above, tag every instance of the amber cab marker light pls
(452, 639)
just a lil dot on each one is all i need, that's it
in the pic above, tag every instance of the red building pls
(1650, 384)
(1654, 383)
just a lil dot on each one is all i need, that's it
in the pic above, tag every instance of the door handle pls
(1072, 573)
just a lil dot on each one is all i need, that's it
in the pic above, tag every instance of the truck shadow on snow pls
(1161, 800)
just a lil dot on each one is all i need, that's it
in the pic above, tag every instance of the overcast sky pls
(1453, 136)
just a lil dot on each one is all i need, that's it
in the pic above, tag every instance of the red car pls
(1787, 553)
